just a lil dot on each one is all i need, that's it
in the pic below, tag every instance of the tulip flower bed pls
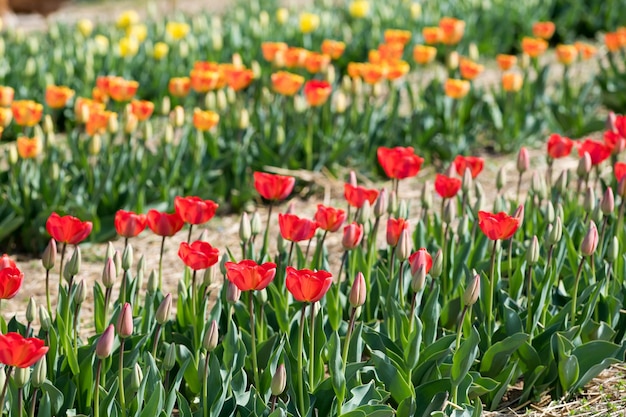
(437, 307)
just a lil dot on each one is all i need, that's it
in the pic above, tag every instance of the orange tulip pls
(98, 95)
(317, 92)
(397, 36)
(142, 109)
(6, 96)
(206, 66)
(452, 30)
(456, 89)
(543, 30)
(286, 83)
(586, 50)
(469, 69)
(432, 34)
(566, 54)
(205, 120)
(122, 90)
(397, 70)
(423, 54)
(612, 41)
(58, 96)
(270, 49)
(98, 121)
(391, 51)
(86, 106)
(512, 82)
(26, 112)
(372, 73)
(238, 78)
(203, 81)
(295, 57)
(334, 49)
(28, 148)
(373, 56)
(316, 62)
(179, 86)
(355, 69)
(534, 47)
(104, 82)
(621, 34)
(506, 62)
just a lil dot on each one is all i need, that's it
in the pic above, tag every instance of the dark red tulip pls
(598, 151)
(356, 196)
(620, 170)
(198, 255)
(399, 162)
(394, 230)
(306, 285)
(129, 224)
(419, 258)
(164, 224)
(447, 187)
(497, 225)
(194, 210)
(273, 187)
(247, 275)
(68, 229)
(352, 236)
(10, 282)
(16, 350)
(474, 163)
(559, 146)
(329, 218)
(6, 262)
(296, 229)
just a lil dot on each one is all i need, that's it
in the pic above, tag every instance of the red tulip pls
(614, 141)
(419, 258)
(329, 218)
(620, 170)
(352, 236)
(198, 255)
(129, 224)
(164, 224)
(194, 210)
(306, 285)
(598, 151)
(399, 162)
(6, 262)
(497, 226)
(68, 229)
(620, 125)
(273, 187)
(447, 187)
(248, 275)
(356, 195)
(16, 350)
(394, 230)
(296, 229)
(474, 163)
(559, 146)
(10, 282)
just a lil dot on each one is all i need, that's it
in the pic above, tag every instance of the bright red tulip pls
(6, 262)
(419, 258)
(68, 229)
(247, 275)
(16, 350)
(273, 187)
(352, 236)
(194, 210)
(356, 195)
(598, 151)
(10, 282)
(164, 224)
(306, 285)
(394, 230)
(329, 218)
(296, 229)
(614, 141)
(559, 146)
(497, 226)
(620, 170)
(129, 224)
(198, 255)
(447, 187)
(474, 163)
(399, 162)
(620, 125)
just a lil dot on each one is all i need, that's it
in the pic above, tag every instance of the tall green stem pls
(121, 380)
(205, 391)
(96, 395)
(267, 230)
(189, 234)
(575, 294)
(48, 292)
(161, 263)
(491, 289)
(299, 373)
(459, 331)
(344, 354)
(529, 302)
(6, 385)
(312, 347)
(253, 338)
(61, 265)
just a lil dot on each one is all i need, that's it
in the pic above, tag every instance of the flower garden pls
(428, 306)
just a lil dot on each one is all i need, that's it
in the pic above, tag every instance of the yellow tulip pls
(128, 47)
(85, 27)
(282, 15)
(177, 30)
(309, 22)
(416, 10)
(102, 44)
(359, 8)
(160, 50)
(127, 19)
(139, 32)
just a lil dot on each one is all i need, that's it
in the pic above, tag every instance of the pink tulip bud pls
(610, 122)
(211, 337)
(403, 249)
(523, 160)
(472, 291)
(608, 202)
(125, 321)
(352, 236)
(104, 346)
(109, 274)
(584, 165)
(450, 171)
(519, 214)
(380, 206)
(358, 291)
(352, 179)
(232, 293)
(163, 312)
(621, 188)
(590, 241)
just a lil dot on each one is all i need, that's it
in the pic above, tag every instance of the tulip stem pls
(205, 386)
(193, 294)
(575, 293)
(312, 347)
(48, 292)
(255, 366)
(344, 355)
(602, 233)
(96, 395)
(157, 335)
(519, 186)
(189, 234)
(121, 379)
(20, 401)
(6, 385)
(620, 218)
(273, 406)
(267, 230)
(61, 264)
(459, 330)
(401, 284)
(34, 403)
(299, 372)
(161, 263)
(491, 289)
(107, 300)
(529, 303)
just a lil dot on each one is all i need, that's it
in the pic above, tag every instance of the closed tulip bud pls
(153, 283)
(590, 241)
(621, 188)
(561, 182)
(358, 292)
(117, 258)
(209, 342)
(352, 236)
(608, 202)
(166, 106)
(79, 295)
(519, 214)
(364, 213)
(480, 192)
(109, 274)
(168, 134)
(255, 223)
(147, 130)
(233, 293)
(452, 60)
(403, 210)
(231, 97)
(550, 213)
(584, 165)
(73, 266)
(48, 124)
(470, 296)
(12, 156)
(357, 86)
(245, 231)
(538, 186)
(377, 90)
(130, 126)
(532, 254)
(559, 210)
(341, 102)
(125, 321)
(437, 268)
(21, 376)
(279, 380)
(381, 203)
(418, 279)
(127, 258)
(244, 119)
(352, 179)
(596, 215)
(612, 251)
(280, 135)
(404, 247)
(163, 312)
(31, 310)
(523, 160)
(589, 202)
(95, 145)
(346, 84)
(136, 378)
(299, 104)
(261, 296)
(217, 41)
(49, 256)
(104, 346)
(223, 264)
(110, 252)
(210, 100)
(40, 372)
(449, 211)
(466, 184)
(220, 100)
(393, 203)
(44, 319)
(556, 231)
(178, 116)
(209, 275)
(170, 357)
(330, 74)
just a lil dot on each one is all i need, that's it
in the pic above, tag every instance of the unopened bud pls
(127, 258)
(44, 319)
(177, 118)
(380, 206)
(244, 119)
(163, 311)
(519, 214)
(452, 60)
(104, 346)
(584, 166)
(561, 182)
(153, 283)
(209, 275)
(352, 179)
(233, 293)
(255, 223)
(209, 342)
(612, 251)
(472, 291)
(589, 202)
(170, 357)
(590, 241)
(358, 292)
(245, 231)
(403, 210)
(21, 376)
(449, 211)
(49, 255)
(166, 105)
(79, 295)
(31, 310)
(117, 259)
(131, 124)
(403, 249)
(73, 266)
(418, 279)
(109, 274)
(555, 231)
(341, 101)
(466, 184)
(364, 213)
(125, 321)
(523, 160)
(39, 372)
(550, 213)
(437, 268)
(393, 203)
(279, 380)
(113, 125)
(136, 378)
(501, 179)
(537, 186)
(621, 188)
(147, 130)
(608, 202)
(532, 254)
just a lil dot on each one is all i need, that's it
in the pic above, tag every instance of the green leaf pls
(335, 367)
(463, 358)
(391, 374)
(568, 372)
(54, 397)
(498, 355)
